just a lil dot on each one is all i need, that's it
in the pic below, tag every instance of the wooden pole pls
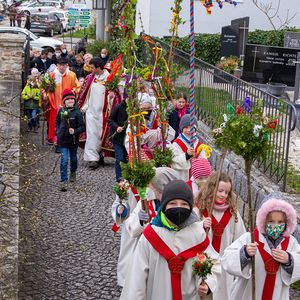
(248, 164)
(224, 152)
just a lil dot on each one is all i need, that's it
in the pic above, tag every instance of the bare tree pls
(275, 15)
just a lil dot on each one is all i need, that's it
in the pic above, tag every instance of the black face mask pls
(177, 215)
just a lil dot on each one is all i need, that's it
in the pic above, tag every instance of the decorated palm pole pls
(138, 171)
(247, 131)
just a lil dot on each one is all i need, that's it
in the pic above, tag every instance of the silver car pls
(35, 41)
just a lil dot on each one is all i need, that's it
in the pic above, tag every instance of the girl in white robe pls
(274, 249)
(225, 225)
(180, 230)
(183, 151)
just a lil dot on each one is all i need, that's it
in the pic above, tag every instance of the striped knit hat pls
(68, 94)
(200, 168)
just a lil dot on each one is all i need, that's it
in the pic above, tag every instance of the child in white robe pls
(177, 230)
(224, 226)
(137, 221)
(275, 250)
(183, 152)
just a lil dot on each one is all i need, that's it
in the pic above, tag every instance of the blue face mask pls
(274, 231)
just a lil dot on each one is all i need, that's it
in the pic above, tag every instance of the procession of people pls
(192, 221)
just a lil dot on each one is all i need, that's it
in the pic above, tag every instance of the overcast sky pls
(156, 16)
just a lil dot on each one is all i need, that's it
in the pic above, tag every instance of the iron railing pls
(214, 88)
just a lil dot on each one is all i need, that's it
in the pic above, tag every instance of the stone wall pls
(11, 47)
(11, 56)
(261, 185)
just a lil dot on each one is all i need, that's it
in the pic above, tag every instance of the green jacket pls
(32, 97)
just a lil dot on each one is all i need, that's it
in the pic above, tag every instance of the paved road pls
(68, 250)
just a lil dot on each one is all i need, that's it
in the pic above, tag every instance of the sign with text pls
(235, 37)
(265, 64)
(79, 16)
(85, 17)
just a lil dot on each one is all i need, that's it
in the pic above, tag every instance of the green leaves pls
(246, 133)
(162, 158)
(140, 174)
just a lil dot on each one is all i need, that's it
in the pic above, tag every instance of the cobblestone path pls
(67, 248)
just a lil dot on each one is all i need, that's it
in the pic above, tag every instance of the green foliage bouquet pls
(246, 130)
(48, 84)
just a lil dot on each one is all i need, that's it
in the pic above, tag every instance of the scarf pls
(181, 111)
(221, 207)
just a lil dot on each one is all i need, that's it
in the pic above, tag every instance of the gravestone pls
(292, 40)
(265, 64)
(235, 37)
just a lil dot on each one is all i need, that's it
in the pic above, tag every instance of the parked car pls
(35, 42)
(63, 17)
(47, 23)
(39, 6)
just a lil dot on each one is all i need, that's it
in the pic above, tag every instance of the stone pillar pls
(11, 56)
(11, 63)
(107, 21)
(100, 20)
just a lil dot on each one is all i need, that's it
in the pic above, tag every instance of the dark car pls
(46, 23)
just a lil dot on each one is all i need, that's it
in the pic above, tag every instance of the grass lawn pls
(80, 33)
(210, 103)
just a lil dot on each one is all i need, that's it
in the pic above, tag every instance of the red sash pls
(135, 193)
(218, 227)
(190, 184)
(183, 146)
(152, 212)
(271, 265)
(175, 262)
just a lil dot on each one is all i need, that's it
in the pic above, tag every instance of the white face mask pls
(64, 51)
(43, 59)
(103, 55)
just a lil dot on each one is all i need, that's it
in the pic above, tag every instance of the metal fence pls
(214, 88)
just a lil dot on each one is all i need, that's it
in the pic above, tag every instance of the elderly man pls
(65, 79)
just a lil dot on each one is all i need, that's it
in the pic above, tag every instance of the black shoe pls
(57, 150)
(101, 161)
(93, 165)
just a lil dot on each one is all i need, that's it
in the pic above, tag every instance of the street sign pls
(85, 17)
(73, 16)
(79, 16)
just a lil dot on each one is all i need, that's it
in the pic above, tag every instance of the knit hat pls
(68, 94)
(275, 203)
(163, 175)
(35, 72)
(200, 167)
(185, 121)
(176, 189)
